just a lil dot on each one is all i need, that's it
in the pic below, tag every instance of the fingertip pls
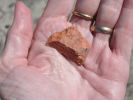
(22, 7)
(22, 12)
(22, 18)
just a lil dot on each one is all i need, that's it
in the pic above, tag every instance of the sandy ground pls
(37, 6)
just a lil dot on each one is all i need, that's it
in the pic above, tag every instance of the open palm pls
(29, 70)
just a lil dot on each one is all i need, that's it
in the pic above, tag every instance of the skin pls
(29, 70)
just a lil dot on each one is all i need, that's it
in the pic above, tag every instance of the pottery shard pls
(71, 44)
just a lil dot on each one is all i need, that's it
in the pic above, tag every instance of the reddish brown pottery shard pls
(71, 44)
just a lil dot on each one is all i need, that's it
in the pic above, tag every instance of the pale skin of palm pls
(29, 70)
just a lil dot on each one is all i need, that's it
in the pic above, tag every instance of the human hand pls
(29, 70)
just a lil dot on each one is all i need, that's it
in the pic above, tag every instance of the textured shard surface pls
(71, 44)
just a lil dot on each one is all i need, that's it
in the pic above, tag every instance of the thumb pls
(20, 35)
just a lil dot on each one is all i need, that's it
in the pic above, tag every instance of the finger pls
(54, 20)
(88, 7)
(122, 37)
(60, 8)
(108, 14)
(20, 34)
(51, 21)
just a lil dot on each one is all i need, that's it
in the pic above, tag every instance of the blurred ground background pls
(37, 6)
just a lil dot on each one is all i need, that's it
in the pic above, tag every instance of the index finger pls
(59, 8)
